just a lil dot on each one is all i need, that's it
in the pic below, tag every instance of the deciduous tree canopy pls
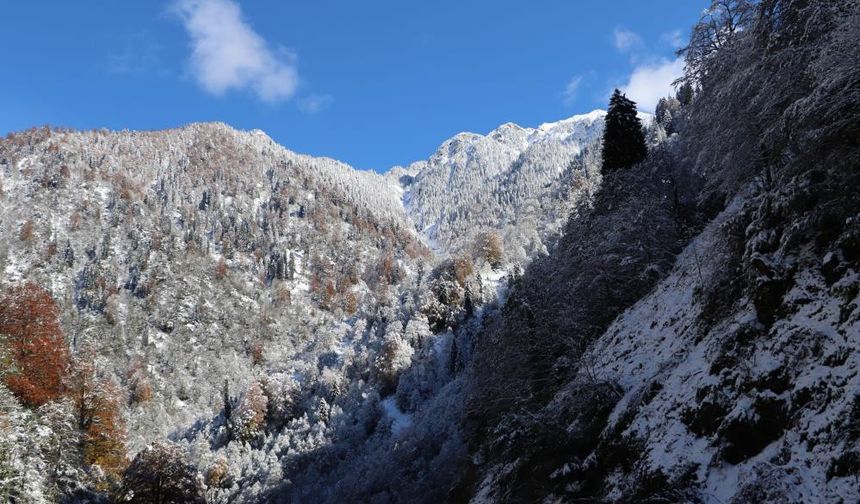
(30, 327)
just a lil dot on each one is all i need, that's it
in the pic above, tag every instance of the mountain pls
(693, 336)
(520, 182)
(200, 241)
(198, 266)
(201, 315)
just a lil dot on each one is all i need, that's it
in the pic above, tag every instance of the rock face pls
(523, 182)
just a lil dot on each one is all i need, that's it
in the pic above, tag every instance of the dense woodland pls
(614, 308)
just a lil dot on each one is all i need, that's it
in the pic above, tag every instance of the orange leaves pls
(139, 386)
(463, 269)
(249, 417)
(256, 352)
(488, 245)
(216, 474)
(42, 372)
(350, 302)
(221, 268)
(283, 297)
(26, 232)
(29, 324)
(98, 404)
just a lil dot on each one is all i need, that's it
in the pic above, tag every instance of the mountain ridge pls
(474, 183)
(501, 173)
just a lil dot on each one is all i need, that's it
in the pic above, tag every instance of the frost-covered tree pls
(665, 112)
(716, 29)
(395, 355)
(248, 419)
(488, 246)
(22, 466)
(161, 474)
(97, 406)
(62, 449)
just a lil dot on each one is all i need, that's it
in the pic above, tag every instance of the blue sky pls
(372, 83)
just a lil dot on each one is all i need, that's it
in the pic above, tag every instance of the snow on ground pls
(400, 421)
(659, 341)
(496, 283)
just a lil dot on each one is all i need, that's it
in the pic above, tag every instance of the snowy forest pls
(618, 307)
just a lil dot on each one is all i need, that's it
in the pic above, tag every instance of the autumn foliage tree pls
(35, 347)
(463, 269)
(139, 386)
(221, 268)
(98, 409)
(216, 474)
(488, 245)
(26, 233)
(249, 417)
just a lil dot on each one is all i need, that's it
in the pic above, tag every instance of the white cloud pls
(570, 92)
(315, 104)
(648, 83)
(626, 40)
(228, 54)
(672, 39)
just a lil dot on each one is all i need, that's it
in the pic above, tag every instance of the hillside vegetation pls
(200, 315)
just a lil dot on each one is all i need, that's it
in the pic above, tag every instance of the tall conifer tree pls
(623, 138)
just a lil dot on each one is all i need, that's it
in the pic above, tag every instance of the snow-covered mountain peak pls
(461, 139)
(495, 177)
(579, 118)
(511, 134)
(571, 128)
(577, 128)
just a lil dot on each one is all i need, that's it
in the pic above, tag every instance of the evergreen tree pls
(665, 113)
(685, 93)
(468, 305)
(228, 402)
(623, 138)
(291, 267)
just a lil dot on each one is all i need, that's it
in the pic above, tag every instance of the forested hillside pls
(522, 183)
(694, 336)
(206, 286)
(615, 307)
(185, 268)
